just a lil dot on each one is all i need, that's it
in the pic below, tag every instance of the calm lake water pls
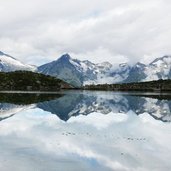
(85, 131)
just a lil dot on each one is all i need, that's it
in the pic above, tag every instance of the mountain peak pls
(139, 64)
(166, 56)
(65, 57)
(78, 73)
(161, 59)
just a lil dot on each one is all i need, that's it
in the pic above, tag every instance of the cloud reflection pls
(37, 140)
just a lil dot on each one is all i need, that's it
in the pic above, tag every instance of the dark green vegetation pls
(159, 85)
(27, 80)
(26, 99)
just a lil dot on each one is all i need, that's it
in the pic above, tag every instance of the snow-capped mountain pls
(80, 73)
(136, 73)
(64, 68)
(121, 73)
(160, 68)
(9, 63)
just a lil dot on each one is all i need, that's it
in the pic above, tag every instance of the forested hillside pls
(27, 80)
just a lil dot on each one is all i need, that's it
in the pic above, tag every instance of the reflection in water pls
(26, 98)
(12, 103)
(103, 102)
(68, 104)
(93, 131)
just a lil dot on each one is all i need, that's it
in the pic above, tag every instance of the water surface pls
(85, 130)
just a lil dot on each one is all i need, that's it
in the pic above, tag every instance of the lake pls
(85, 131)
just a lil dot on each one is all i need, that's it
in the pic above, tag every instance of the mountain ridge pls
(87, 72)
(79, 73)
(9, 64)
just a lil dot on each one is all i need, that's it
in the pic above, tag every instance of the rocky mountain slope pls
(80, 73)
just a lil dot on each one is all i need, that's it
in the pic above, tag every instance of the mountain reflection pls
(74, 103)
(12, 103)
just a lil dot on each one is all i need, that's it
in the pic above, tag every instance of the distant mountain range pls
(9, 63)
(78, 73)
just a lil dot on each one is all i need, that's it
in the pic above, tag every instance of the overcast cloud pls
(38, 31)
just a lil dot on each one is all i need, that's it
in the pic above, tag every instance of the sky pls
(37, 31)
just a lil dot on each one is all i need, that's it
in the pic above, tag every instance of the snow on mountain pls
(80, 73)
(121, 73)
(136, 73)
(64, 68)
(160, 68)
(9, 63)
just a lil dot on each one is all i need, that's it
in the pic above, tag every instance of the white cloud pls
(38, 31)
